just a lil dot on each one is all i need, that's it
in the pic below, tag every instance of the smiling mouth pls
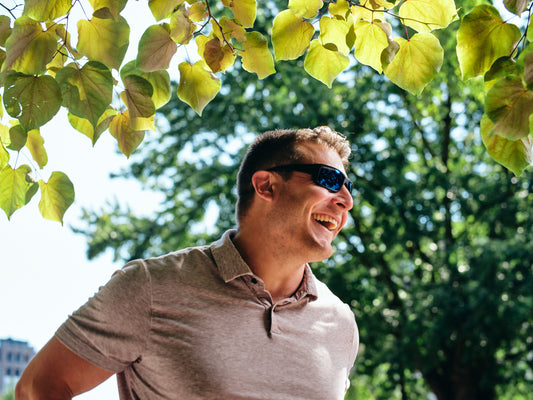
(326, 221)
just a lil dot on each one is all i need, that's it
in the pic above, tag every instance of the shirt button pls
(254, 281)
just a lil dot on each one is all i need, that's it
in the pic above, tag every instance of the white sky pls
(44, 272)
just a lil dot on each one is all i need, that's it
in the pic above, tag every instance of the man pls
(243, 318)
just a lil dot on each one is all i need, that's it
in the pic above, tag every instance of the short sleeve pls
(111, 330)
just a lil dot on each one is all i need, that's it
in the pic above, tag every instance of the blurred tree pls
(435, 260)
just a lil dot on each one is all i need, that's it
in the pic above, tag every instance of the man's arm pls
(57, 373)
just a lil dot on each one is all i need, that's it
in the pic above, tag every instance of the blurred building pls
(14, 356)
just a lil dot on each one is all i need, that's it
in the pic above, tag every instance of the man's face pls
(308, 216)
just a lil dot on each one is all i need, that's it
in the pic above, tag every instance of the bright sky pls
(44, 272)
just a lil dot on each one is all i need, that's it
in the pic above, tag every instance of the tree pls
(42, 71)
(435, 258)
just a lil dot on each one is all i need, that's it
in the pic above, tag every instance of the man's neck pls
(281, 275)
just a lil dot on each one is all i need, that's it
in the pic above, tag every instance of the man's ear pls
(262, 182)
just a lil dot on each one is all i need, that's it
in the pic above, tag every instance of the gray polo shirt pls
(198, 324)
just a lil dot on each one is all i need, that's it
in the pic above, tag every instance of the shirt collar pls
(231, 266)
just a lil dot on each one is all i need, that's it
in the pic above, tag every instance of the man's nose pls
(344, 199)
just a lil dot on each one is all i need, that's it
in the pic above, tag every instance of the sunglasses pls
(323, 175)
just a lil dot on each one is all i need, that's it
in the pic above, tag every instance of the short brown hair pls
(281, 146)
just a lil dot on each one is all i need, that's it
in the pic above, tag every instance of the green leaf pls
(198, 85)
(138, 99)
(305, 8)
(181, 26)
(482, 38)
(160, 81)
(333, 31)
(243, 10)
(163, 8)
(370, 41)
(231, 28)
(34, 100)
(46, 10)
(88, 91)
(516, 6)
(5, 29)
(512, 154)
(16, 188)
(84, 126)
(323, 64)
(56, 196)
(29, 48)
(17, 137)
(256, 57)
(427, 15)
(128, 139)
(416, 63)
(35, 144)
(509, 104)
(290, 35)
(104, 40)
(156, 48)
(502, 67)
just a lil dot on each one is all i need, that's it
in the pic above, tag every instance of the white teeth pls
(330, 223)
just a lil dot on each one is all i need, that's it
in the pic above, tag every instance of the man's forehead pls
(314, 152)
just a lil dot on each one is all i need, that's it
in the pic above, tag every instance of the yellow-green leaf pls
(29, 48)
(181, 26)
(341, 9)
(512, 154)
(198, 11)
(363, 11)
(16, 188)
(88, 91)
(290, 35)
(56, 196)
(377, 4)
(4, 135)
(35, 144)
(509, 104)
(128, 139)
(156, 48)
(217, 55)
(370, 41)
(104, 40)
(138, 99)
(333, 33)
(305, 8)
(230, 29)
(427, 15)
(107, 8)
(482, 38)
(163, 8)
(243, 10)
(4, 156)
(416, 63)
(323, 64)
(84, 126)
(33, 100)
(198, 85)
(256, 57)
(160, 81)
(46, 10)
(5, 29)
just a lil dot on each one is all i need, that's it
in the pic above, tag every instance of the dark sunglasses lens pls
(330, 179)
